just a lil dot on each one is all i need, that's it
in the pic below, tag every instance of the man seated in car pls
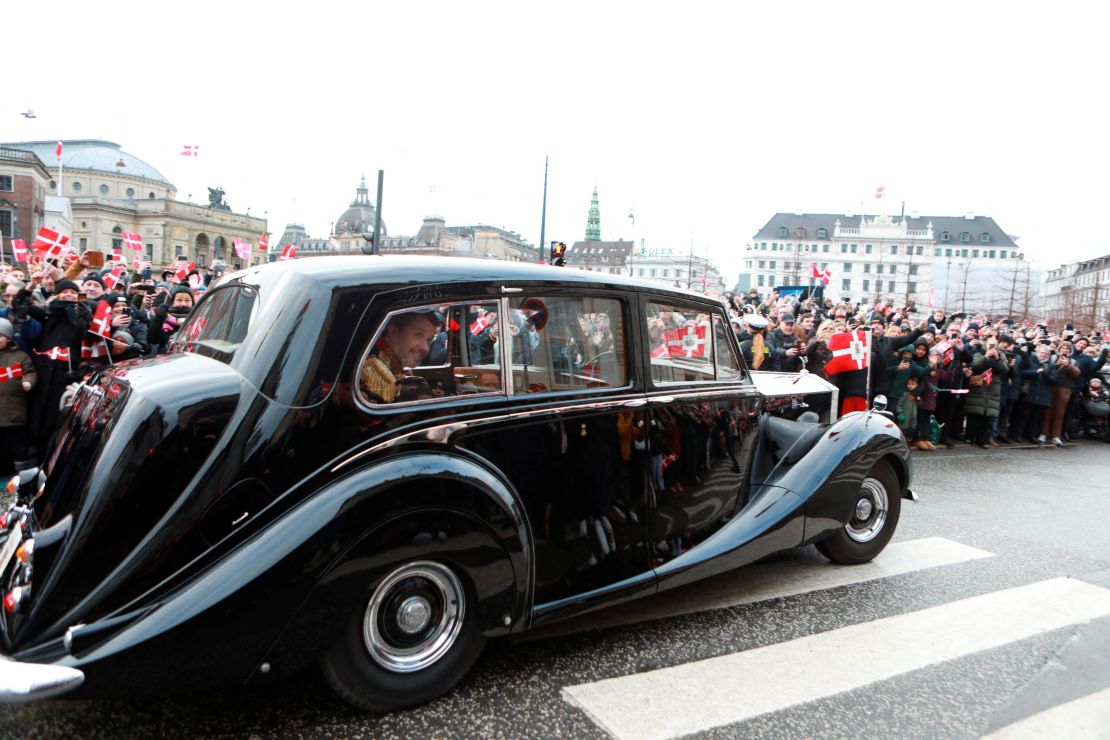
(405, 343)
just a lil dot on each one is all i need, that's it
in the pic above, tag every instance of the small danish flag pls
(112, 279)
(288, 252)
(91, 349)
(56, 353)
(102, 320)
(264, 242)
(11, 372)
(49, 243)
(242, 248)
(184, 270)
(19, 247)
(133, 240)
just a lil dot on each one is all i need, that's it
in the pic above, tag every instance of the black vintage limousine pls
(374, 464)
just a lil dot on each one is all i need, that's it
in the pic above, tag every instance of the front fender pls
(218, 627)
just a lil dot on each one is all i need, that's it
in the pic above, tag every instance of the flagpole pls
(867, 388)
(60, 170)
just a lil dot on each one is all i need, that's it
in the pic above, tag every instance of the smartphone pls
(146, 274)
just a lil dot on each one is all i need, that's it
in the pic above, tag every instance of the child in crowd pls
(907, 409)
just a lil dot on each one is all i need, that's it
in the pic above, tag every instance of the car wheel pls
(874, 518)
(412, 640)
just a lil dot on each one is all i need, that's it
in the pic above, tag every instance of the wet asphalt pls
(1043, 513)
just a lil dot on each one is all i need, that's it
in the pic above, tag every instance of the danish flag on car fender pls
(288, 252)
(50, 243)
(11, 372)
(688, 341)
(19, 247)
(850, 351)
(112, 279)
(101, 324)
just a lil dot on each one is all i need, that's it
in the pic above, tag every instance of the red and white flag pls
(264, 242)
(242, 248)
(11, 372)
(101, 324)
(815, 271)
(288, 252)
(688, 341)
(826, 276)
(93, 348)
(113, 279)
(133, 240)
(137, 263)
(50, 243)
(479, 324)
(117, 254)
(56, 353)
(183, 270)
(19, 247)
(987, 376)
(190, 150)
(880, 192)
(932, 296)
(58, 151)
(850, 351)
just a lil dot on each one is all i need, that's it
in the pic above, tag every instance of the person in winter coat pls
(786, 348)
(906, 413)
(1066, 373)
(984, 396)
(168, 316)
(1011, 389)
(17, 380)
(64, 322)
(1040, 374)
(926, 362)
(913, 362)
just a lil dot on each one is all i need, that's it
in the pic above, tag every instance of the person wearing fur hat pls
(17, 380)
(64, 321)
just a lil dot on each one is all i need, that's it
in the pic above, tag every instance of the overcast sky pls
(703, 119)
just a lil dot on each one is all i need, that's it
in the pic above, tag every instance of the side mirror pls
(880, 403)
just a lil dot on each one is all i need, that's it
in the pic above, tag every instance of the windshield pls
(220, 323)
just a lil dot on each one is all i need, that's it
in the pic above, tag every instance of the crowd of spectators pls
(51, 338)
(948, 377)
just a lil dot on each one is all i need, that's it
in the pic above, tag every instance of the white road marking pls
(775, 580)
(1085, 717)
(732, 688)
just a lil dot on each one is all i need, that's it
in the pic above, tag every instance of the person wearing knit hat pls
(93, 287)
(63, 285)
(182, 297)
(14, 395)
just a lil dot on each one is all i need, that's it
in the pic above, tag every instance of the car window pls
(219, 324)
(680, 342)
(728, 364)
(566, 343)
(432, 352)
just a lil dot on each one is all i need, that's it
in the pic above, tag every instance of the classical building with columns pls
(111, 191)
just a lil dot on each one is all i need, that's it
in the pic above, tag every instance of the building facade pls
(1078, 293)
(111, 191)
(961, 263)
(24, 187)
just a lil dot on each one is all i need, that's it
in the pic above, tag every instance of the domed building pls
(359, 218)
(112, 191)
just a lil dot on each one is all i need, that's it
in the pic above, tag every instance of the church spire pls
(362, 195)
(593, 223)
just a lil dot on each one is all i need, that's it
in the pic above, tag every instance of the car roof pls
(343, 271)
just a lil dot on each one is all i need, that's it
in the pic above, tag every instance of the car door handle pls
(662, 399)
(635, 403)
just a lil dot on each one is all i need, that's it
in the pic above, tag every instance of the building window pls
(948, 252)
(822, 233)
(759, 281)
(1002, 254)
(6, 183)
(771, 265)
(867, 248)
(641, 272)
(909, 249)
(890, 286)
(762, 264)
(920, 249)
(847, 267)
(913, 269)
(77, 187)
(975, 253)
(846, 284)
(654, 272)
(825, 248)
(985, 238)
(782, 231)
(866, 285)
(965, 236)
(945, 236)
(893, 269)
(879, 268)
(748, 264)
(866, 267)
(912, 287)
(763, 245)
(894, 249)
(855, 248)
(963, 252)
(103, 189)
(130, 192)
(844, 249)
(936, 251)
(150, 196)
(6, 223)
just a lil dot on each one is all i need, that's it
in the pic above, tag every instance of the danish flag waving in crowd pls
(56, 353)
(687, 341)
(19, 247)
(479, 324)
(102, 320)
(850, 351)
(988, 376)
(50, 243)
(242, 248)
(133, 240)
(264, 242)
(288, 252)
(184, 270)
(817, 274)
(11, 372)
(112, 280)
(93, 348)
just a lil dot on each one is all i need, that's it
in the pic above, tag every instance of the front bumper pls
(23, 682)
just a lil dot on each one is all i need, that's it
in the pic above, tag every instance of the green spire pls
(593, 223)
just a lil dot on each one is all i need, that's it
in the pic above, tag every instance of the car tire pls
(874, 519)
(411, 640)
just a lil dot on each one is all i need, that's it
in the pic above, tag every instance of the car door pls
(572, 444)
(703, 435)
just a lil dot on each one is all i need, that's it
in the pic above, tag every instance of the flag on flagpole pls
(288, 252)
(58, 151)
(190, 150)
(849, 352)
(814, 271)
(264, 242)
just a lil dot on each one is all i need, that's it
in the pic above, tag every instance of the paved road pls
(989, 614)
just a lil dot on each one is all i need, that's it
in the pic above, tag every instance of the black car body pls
(243, 506)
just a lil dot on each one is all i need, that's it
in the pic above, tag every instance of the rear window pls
(219, 324)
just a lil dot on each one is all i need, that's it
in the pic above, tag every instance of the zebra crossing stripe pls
(1087, 717)
(732, 688)
(774, 580)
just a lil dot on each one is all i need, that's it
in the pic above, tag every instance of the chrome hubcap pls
(414, 617)
(414, 614)
(870, 514)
